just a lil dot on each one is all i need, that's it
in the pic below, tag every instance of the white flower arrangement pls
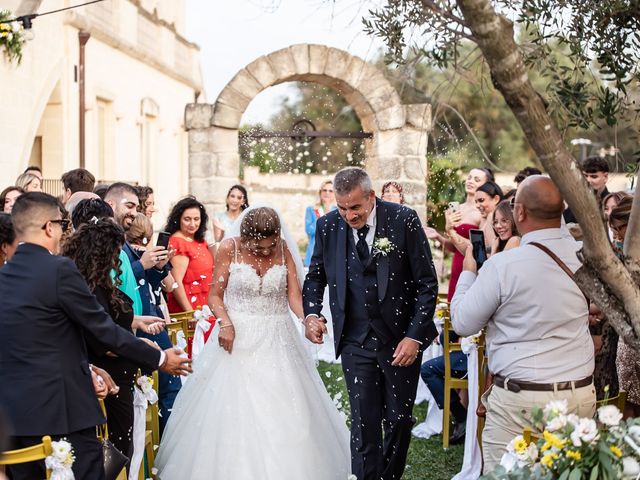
(145, 385)
(61, 460)
(383, 246)
(574, 448)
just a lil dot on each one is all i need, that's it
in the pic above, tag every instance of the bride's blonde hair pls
(259, 223)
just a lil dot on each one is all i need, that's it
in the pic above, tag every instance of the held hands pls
(406, 353)
(148, 324)
(226, 336)
(174, 364)
(154, 257)
(469, 264)
(314, 328)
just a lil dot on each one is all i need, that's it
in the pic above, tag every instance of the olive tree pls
(517, 38)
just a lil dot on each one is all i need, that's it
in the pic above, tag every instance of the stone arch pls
(396, 152)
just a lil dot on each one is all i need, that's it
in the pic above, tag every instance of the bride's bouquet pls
(574, 448)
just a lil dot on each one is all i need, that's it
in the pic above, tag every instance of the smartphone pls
(478, 245)
(163, 240)
(454, 206)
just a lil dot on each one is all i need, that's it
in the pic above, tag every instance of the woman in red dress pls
(192, 263)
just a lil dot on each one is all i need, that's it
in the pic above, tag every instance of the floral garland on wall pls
(11, 36)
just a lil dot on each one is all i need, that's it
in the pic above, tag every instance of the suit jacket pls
(46, 311)
(407, 283)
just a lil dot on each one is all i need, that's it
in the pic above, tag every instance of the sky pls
(233, 33)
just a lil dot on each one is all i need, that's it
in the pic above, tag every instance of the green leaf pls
(576, 474)
(594, 473)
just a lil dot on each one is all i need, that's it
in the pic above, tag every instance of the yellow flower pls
(545, 447)
(548, 459)
(553, 440)
(616, 450)
(574, 455)
(520, 445)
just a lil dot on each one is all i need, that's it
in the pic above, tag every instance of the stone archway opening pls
(397, 150)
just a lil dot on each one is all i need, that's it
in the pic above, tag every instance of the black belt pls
(517, 385)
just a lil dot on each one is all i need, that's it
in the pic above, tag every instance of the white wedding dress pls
(261, 412)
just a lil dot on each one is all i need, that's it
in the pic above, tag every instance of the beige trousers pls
(508, 413)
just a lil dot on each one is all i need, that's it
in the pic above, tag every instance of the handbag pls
(113, 459)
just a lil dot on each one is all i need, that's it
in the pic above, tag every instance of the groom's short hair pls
(347, 179)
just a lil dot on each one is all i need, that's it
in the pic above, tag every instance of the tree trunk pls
(604, 276)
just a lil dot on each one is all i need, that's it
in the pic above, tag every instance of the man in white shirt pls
(538, 341)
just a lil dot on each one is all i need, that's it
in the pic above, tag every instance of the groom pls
(376, 260)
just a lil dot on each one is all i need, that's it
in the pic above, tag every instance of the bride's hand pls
(226, 336)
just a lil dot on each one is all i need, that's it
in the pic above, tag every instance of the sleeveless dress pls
(261, 412)
(199, 273)
(456, 265)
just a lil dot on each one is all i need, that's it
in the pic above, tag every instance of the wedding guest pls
(192, 263)
(139, 237)
(459, 221)
(77, 180)
(539, 350)
(611, 201)
(44, 359)
(8, 243)
(326, 203)
(628, 359)
(29, 183)
(101, 190)
(393, 192)
(236, 202)
(34, 170)
(507, 236)
(147, 201)
(95, 249)
(526, 172)
(596, 173)
(487, 198)
(8, 197)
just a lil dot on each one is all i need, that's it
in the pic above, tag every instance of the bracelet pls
(225, 326)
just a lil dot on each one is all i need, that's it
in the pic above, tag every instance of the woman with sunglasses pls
(326, 203)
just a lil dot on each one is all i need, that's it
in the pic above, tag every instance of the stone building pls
(141, 71)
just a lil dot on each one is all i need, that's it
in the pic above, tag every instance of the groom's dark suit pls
(376, 303)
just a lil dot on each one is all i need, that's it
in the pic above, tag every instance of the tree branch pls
(431, 6)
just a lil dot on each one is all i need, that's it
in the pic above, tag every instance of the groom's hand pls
(406, 353)
(314, 328)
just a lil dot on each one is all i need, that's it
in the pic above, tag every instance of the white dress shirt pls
(372, 222)
(535, 314)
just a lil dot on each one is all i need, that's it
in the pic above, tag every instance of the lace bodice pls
(247, 292)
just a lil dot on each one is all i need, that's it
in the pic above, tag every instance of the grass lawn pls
(427, 460)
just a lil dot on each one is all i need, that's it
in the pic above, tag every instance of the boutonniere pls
(382, 246)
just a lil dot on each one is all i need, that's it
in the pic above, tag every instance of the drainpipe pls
(83, 38)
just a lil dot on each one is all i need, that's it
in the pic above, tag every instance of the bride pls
(255, 406)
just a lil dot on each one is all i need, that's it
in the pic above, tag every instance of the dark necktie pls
(361, 246)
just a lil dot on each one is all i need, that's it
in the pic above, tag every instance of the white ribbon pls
(142, 397)
(472, 464)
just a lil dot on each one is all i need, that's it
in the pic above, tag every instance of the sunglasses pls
(64, 223)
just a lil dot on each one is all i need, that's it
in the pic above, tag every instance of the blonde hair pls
(141, 230)
(260, 223)
(25, 179)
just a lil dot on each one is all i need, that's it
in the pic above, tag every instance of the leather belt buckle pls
(511, 386)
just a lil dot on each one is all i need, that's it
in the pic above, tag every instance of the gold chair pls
(450, 382)
(180, 325)
(188, 324)
(619, 401)
(528, 436)
(28, 454)
(153, 418)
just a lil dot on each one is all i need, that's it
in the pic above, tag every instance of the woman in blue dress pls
(326, 203)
